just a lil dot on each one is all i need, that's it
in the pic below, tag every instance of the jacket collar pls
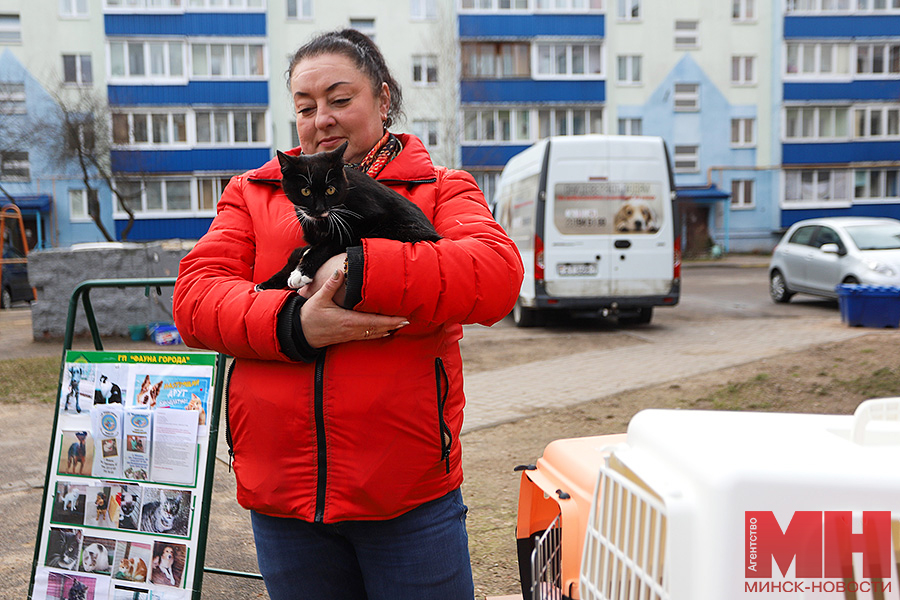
(412, 165)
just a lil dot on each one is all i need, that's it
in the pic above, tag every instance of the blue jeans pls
(420, 555)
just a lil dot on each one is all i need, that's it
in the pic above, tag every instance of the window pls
(816, 123)
(12, 98)
(878, 59)
(78, 204)
(874, 184)
(876, 122)
(687, 159)
(821, 186)
(516, 126)
(686, 97)
(143, 5)
(687, 34)
(493, 61)
(365, 26)
(487, 183)
(423, 9)
(818, 59)
(743, 70)
(742, 133)
(630, 127)
(77, 69)
(628, 10)
(743, 10)
(424, 69)
(162, 197)
(579, 6)
(240, 127)
(628, 70)
(146, 59)
(209, 190)
(427, 131)
(299, 9)
(14, 166)
(73, 8)
(228, 60)
(742, 193)
(160, 128)
(10, 29)
(569, 60)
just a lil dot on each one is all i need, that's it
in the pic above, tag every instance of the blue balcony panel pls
(192, 24)
(875, 89)
(146, 230)
(529, 26)
(479, 157)
(839, 153)
(210, 93)
(141, 162)
(528, 91)
(789, 216)
(851, 26)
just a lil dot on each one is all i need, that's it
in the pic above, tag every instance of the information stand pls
(125, 509)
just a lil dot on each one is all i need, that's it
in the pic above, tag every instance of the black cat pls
(338, 206)
(78, 591)
(63, 548)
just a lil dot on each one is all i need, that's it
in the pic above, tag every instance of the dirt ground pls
(832, 378)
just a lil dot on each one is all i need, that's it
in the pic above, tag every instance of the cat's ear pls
(284, 160)
(338, 153)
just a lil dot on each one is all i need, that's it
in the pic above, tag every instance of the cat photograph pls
(69, 503)
(166, 511)
(64, 548)
(337, 206)
(70, 587)
(168, 563)
(107, 390)
(128, 500)
(97, 555)
(131, 561)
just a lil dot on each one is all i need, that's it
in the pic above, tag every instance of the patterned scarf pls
(387, 148)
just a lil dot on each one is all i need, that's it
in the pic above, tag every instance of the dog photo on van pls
(636, 216)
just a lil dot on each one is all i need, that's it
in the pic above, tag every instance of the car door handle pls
(622, 244)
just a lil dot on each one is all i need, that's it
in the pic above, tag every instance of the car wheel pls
(850, 280)
(643, 316)
(778, 287)
(524, 316)
(5, 298)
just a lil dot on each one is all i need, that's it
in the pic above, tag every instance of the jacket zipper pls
(443, 390)
(228, 438)
(321, 449)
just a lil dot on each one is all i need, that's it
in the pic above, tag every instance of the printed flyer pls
(123, 502)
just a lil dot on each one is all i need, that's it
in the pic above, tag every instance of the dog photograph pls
(77, 393)
(167, 563)
(636, 216)
(70, 587)
(69, 502)
(97, 555)
(132, 561)
(100, 507)
(76, 454)
(64, 548)
(126, 500)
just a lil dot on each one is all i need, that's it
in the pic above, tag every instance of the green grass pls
(881, 383)
(29, 380)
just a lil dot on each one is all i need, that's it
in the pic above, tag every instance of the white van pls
(593, 219)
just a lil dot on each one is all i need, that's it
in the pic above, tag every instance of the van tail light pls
(677, 266)
(538, 258)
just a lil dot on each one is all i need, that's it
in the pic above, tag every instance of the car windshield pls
(883, 236)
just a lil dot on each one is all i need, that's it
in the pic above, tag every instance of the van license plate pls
(576, 269)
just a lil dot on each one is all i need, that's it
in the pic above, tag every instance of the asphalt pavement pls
(497, 396)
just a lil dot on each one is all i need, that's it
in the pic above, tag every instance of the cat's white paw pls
(297, 280)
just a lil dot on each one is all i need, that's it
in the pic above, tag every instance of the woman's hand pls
(325, 322)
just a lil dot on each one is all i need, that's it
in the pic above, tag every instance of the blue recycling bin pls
(869, 305)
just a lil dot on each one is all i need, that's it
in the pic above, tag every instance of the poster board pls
(129, 477)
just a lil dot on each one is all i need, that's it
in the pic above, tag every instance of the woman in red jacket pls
(345, 402)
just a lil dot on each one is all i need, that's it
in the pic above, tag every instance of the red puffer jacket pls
(370, 429)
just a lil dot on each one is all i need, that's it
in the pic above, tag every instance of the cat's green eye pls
(330, 190)
(306, 191)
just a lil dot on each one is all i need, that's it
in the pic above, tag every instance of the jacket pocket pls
(443, 390)
(228, 439)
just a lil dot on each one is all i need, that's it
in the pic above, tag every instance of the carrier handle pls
(879, 409)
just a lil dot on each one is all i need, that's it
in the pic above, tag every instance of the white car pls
(816, 255)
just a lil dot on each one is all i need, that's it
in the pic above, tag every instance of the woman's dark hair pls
(363, 52)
